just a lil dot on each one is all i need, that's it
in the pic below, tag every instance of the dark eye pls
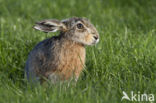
(79, 26)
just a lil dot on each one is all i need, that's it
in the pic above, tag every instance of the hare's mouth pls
(95, 42)
(96, 39)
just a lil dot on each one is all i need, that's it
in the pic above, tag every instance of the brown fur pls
(61, 57)
(70, 60)
(88, 38)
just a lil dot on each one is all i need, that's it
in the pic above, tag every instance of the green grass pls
(123, 60)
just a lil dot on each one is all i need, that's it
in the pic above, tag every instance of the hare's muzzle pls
(96, 39)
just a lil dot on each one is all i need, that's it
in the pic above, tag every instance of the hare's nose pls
(96, 37)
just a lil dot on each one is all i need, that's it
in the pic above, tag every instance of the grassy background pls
(124, 59)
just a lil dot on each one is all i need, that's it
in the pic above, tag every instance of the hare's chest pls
(73, 62)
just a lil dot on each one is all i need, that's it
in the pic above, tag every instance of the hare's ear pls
(50, 26)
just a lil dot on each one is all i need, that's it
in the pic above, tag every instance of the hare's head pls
(77, 29)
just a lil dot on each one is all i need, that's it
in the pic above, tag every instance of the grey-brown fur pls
(61, 57)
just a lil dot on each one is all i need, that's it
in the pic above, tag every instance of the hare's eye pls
(79, 26)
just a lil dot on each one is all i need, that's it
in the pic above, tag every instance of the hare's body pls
(61, 57)
(56, 56)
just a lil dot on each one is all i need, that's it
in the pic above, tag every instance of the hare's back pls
(37, 58)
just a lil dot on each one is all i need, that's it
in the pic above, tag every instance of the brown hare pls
(61, 57)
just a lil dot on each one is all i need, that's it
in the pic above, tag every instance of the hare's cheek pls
(88, 39)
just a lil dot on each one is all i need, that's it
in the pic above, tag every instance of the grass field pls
(123, 60)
